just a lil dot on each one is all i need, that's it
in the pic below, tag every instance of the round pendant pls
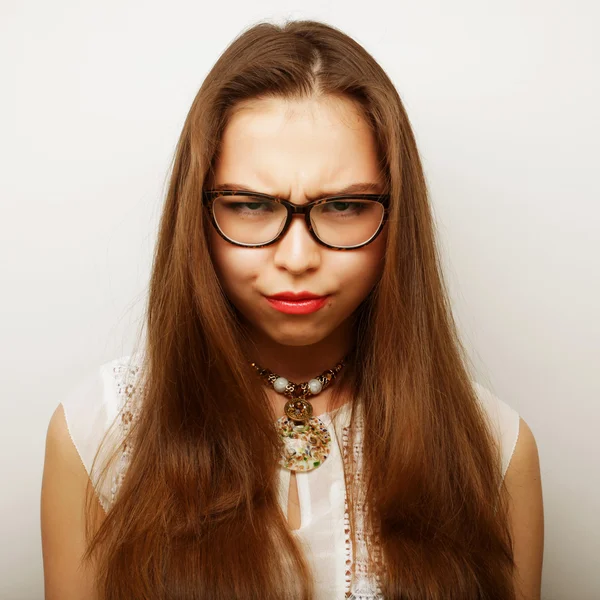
(298, 409)
(306, 445)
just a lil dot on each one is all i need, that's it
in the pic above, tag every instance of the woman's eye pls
(344, 208)
(252, 206)
(340, 205)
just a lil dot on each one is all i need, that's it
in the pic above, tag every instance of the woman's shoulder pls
(504, 421)
(95, 413)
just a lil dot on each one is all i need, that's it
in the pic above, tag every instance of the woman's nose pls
(297, 250)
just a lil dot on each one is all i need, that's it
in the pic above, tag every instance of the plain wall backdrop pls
(504, 102)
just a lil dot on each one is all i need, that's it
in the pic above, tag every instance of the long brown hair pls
(197, 515)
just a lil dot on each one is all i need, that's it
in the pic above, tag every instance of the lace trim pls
(362, 585)
(128, 410)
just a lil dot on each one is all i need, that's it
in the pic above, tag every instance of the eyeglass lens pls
(344, 222)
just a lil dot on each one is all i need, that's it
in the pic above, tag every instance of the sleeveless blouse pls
(103, 403)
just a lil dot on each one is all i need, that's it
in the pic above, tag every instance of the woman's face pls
(294, 150)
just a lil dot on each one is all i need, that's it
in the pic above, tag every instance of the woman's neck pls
(299, 363)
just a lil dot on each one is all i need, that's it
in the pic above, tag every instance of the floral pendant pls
(306, 444)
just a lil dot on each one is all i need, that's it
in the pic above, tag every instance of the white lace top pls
(102, 403)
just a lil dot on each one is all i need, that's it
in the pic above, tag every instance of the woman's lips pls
(297, 307)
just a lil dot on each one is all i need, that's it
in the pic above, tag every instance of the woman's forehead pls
(281, 145)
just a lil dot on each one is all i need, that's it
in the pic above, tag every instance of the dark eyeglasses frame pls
(209, 196)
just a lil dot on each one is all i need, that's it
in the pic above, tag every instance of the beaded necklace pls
(306, 439)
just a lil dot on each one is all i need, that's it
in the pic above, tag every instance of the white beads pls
(315, 386)
(280, 384)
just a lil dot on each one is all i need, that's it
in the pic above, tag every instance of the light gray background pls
(504, 101)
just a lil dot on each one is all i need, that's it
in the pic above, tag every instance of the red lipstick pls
(297, 303)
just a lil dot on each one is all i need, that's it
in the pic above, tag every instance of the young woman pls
(301, 421)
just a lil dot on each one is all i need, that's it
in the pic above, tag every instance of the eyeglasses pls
(253, 220)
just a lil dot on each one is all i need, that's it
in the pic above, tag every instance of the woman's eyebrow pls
(355, 188)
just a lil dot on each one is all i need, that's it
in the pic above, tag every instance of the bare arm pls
(524, 485)
(62, 516)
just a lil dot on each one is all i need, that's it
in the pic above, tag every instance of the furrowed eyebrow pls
(355, 188)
